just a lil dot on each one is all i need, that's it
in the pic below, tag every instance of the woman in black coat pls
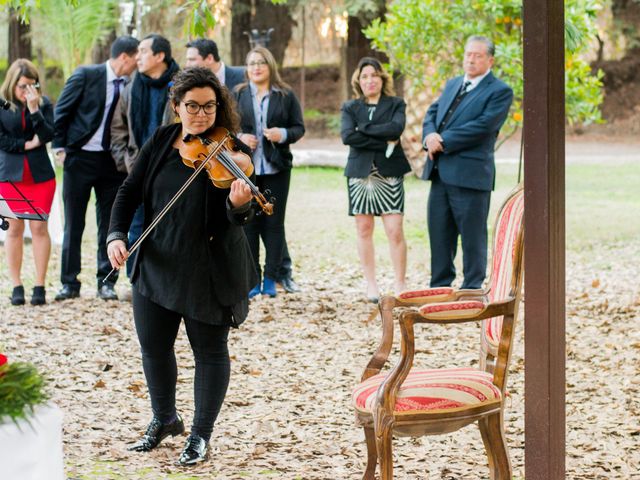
(371, 126)
(271, 120)
(25, 129)
(195, 265)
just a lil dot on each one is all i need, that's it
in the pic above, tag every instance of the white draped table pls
(33, 450)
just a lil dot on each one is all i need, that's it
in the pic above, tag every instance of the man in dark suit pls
(82, 140)
(459, 133)
(203, 52)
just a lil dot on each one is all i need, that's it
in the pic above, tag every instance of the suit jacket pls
(13, 138)
(232, 271)
(80, 108)
(367, 139)
(470, 134)
(233, 76)
(124, 148)
(284, 112)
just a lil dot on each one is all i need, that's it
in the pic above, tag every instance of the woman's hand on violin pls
(117, 253)
(250, 140)
(273, 134)
(240, 193)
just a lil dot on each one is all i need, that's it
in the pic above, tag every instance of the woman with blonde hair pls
(25, 128)
(271, 120)
(371, 125)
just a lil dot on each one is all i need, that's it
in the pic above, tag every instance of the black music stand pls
(28, 213)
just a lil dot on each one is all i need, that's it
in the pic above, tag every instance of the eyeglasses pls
(259, 63)
(194, 108)
(23, 86)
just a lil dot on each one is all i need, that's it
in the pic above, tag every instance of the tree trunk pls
(260, 15)
(102, 50)
(358, 45)
(19, 39)
(240, 23)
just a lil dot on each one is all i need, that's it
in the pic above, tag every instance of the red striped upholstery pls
(504, 242)
(452, 309)
(427, 294)
(432, 390)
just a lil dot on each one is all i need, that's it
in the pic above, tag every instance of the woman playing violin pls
(196, 265)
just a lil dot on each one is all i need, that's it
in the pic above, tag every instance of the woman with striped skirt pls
(371, 125)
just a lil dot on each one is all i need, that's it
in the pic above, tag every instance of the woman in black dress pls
(371, 125)
(195, 265)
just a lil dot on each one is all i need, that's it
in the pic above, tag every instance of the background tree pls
(19, 37)
(425, 41)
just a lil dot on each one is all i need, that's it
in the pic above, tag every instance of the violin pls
(221, 161)
(213, 152)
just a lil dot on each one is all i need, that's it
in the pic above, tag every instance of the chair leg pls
(385, 453)
(372, 454)
(492, 431)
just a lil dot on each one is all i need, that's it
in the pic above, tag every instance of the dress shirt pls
(474, 81)
(95, 142)
(221, 74)
(260, 109)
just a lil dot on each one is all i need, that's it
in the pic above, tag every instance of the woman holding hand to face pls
(25, 128)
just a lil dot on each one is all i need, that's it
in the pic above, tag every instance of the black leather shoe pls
(156, 432)
(289, 285)
(66, 292)
(195, 451)
(38, 296)
(17, 295)
(106, 292)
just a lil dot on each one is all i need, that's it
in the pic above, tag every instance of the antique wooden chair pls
(412, 402)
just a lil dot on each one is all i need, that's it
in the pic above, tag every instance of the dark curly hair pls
(199, 77)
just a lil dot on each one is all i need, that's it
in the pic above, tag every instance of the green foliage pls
(21, 389)
(425, 41)
(200, 18)
(75, 29)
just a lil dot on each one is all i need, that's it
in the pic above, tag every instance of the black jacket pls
(284, 112)
(13, 138)
(80, 108)
(367, 139)
(232, 270)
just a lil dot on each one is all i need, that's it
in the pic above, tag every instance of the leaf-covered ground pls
(287, 414)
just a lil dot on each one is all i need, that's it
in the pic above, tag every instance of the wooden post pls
(544, 164)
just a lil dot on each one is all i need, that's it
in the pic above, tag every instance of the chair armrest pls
(464, 311)
(379, 358)
(438, 294)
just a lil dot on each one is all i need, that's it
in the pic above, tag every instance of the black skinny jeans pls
(157, 329)
(270, 227)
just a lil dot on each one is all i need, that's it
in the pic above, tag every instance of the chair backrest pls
(507, 243)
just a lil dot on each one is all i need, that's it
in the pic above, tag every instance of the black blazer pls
(284, 112)
(13, 138)
(469, 137)
(367, 139)
(80, 108)
(233, 271)
(233, 76)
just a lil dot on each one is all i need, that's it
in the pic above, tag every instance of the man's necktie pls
(106, 134)
(459, 97)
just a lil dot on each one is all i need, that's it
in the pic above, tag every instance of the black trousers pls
(270, 228)
(454, 212)
(157, 329)
(84, 171)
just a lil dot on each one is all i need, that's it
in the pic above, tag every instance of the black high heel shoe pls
(156, 432)
(38, 296)
(17, 296)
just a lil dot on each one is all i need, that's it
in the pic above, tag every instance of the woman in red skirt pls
(25, 128)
